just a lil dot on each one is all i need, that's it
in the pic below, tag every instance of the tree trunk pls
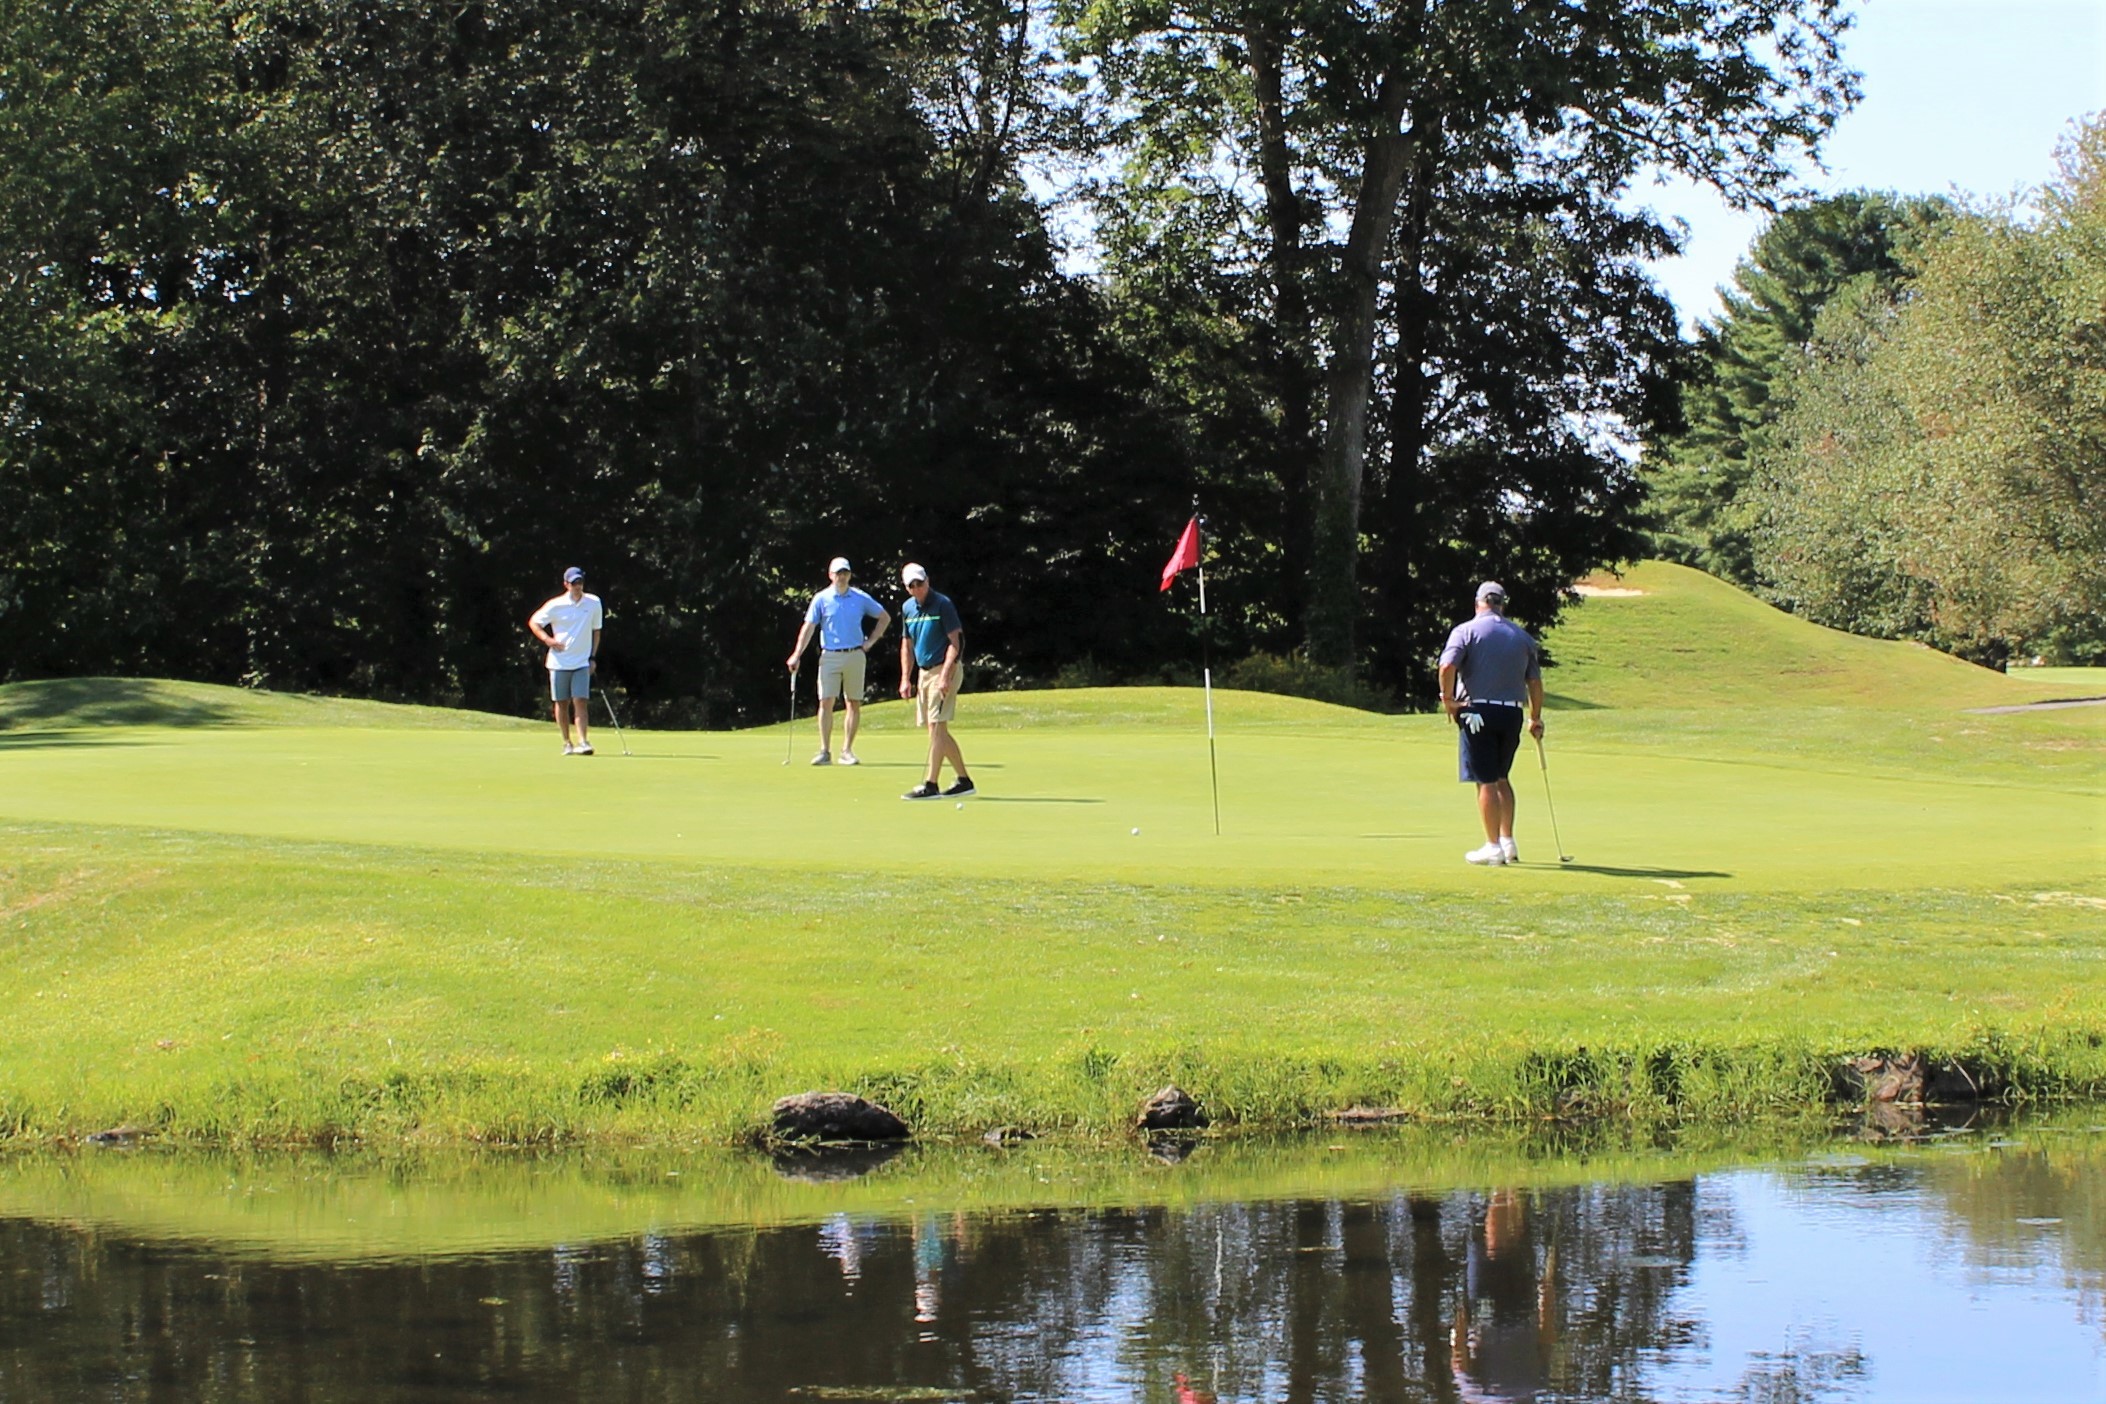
(1410, 403)
(1294, 381)
(1349, 384)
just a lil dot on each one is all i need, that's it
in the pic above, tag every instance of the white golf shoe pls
(584, 748)
(569, 750)
(1513, 854)
(822, 759)
(1490, 856)
(849, 758)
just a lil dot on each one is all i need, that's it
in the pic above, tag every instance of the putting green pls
(1334, 800)
(235, 913)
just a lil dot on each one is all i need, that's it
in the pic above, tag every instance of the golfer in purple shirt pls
(1490, 670)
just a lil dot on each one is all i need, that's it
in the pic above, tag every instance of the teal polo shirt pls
(929, 624)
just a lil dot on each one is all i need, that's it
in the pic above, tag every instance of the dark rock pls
(835, 1116)
(1369, 1116)
(1879, 1078)
(1171, 1109)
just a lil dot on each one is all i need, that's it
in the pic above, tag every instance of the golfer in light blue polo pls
(837, 615)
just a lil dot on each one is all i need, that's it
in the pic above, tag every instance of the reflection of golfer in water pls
(1505, 1335)
(1488, 667)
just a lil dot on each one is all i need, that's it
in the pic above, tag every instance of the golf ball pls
(961, 804)
(1137, 831)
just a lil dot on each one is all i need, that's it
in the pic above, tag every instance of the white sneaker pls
(849, 758)
(1513, 854)
(1490, 856)
(584, 748)
(822, 759)
(569, 750)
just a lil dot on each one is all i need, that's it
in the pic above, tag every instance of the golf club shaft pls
(1548, 803)
(617, 722)
(789, 741)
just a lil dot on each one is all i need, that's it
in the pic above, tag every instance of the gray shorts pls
(570, 684)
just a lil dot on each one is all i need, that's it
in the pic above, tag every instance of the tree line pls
(330, 330)
(1897, 426)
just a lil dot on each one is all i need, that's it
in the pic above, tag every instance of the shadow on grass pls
(47, 740)
(1559, 702)
(105, 702)
(1031, 799)
(1602, 871)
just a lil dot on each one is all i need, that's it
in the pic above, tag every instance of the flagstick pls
(1206, 673)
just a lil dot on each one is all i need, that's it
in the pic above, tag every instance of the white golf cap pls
(1491, 590)
(840, 563)
(912, 573)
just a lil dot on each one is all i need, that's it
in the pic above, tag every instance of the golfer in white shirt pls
(569, 627)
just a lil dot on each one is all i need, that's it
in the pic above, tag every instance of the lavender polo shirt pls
(1494, 660)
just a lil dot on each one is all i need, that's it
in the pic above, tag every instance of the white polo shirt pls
(573, 625)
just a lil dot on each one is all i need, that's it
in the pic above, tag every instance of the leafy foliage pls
(1939, 466)
(1807, 255)
(1379, 251)
(397, 311)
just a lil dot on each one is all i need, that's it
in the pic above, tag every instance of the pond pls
(1962, 1265)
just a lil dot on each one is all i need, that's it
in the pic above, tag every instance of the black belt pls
(858, 650)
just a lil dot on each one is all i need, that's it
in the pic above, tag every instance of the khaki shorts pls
(926, 708)
(841, 674)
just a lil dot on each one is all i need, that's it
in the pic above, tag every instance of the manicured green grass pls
(259, 927)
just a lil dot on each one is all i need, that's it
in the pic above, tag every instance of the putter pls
(1563, 856)
(617, 724)
(789, 741)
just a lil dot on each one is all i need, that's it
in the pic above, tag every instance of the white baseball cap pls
(912, 573)
(840, 563)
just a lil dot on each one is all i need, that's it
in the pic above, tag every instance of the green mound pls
(66, 704)
(1686, 640)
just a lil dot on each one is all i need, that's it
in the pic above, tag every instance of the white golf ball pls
(1137, 832)
(961, 804)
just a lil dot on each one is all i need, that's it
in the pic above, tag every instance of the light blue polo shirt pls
(840, 616)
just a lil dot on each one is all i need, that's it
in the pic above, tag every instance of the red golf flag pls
(1185, 557)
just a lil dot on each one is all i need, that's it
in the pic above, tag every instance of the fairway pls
(1780, 835)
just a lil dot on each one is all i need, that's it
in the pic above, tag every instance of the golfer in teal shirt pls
(932, 645)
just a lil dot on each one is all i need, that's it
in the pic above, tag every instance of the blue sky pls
(1960, 95)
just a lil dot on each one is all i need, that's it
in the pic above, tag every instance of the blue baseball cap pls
(573, 574)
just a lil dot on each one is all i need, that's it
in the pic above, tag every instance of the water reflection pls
(1936, 1275)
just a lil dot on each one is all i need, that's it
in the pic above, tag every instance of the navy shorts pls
(570, 684)
(1488, 755)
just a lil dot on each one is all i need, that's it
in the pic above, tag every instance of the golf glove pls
(1471, 721)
